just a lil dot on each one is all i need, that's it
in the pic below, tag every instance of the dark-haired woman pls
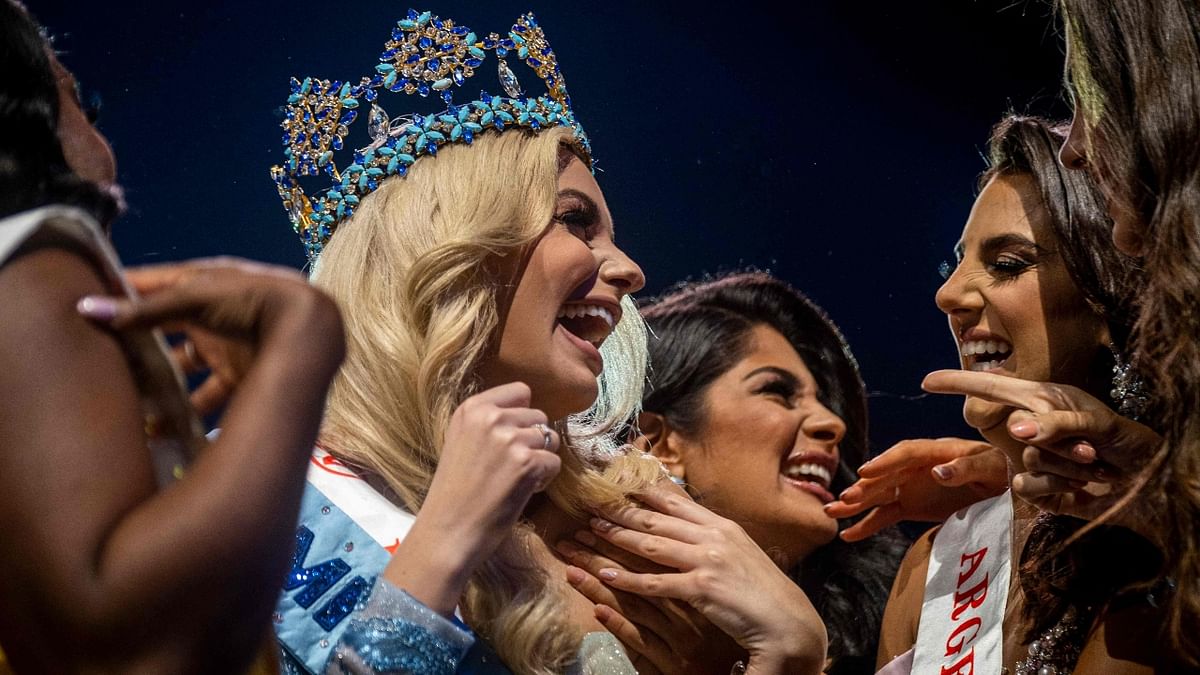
(103, 567)
(756, 405)
(1134, 73)
(1034, 297)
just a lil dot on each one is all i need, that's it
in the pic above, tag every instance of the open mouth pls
(588, 322)
(984, 355)
(812, 472)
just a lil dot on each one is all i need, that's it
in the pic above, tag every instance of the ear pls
(657, 437)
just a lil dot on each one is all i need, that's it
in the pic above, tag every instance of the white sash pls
(385, 522)
(961, 631)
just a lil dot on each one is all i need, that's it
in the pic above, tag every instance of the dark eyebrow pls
(588, 202)
(992, 245)
(782, 373)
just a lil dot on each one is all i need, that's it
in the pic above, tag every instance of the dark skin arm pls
(99, 571)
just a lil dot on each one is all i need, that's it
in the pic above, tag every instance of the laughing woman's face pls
(567, 301)
(1013, 308)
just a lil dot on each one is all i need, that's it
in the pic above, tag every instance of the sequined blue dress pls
(337, 615)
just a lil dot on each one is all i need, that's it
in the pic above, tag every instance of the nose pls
(823, 426)
(1073, 155)
(958, 295)
(620, 271)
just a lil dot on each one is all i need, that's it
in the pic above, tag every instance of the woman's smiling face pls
(1012, 305)
(566, 302)
(767, 449)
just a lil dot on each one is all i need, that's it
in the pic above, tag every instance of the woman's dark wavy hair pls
(1060, 567)
(33, 171)
(700, 331)
(1134, 67)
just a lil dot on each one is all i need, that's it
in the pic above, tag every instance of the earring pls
(678, 480)
(1128, 389)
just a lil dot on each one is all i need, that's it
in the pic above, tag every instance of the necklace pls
(1055, 651)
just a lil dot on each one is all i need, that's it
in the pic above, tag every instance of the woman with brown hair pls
(1134, 73)
(1034, 297)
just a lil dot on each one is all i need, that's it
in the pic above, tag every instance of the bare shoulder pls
(1127, 642)
(903, 612)
(70, 423)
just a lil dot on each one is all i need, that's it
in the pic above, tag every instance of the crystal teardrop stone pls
(378, 123)
(509, 80)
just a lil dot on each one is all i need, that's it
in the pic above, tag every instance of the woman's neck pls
(550, 522)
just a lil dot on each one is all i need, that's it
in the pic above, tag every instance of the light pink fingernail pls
(943, 472)
(575, 576)
(97, 307)
(600, 524)
(1024, 429)
(608, 574)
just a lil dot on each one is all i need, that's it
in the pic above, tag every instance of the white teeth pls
(974, 347)
(800, 471)
(575, 311)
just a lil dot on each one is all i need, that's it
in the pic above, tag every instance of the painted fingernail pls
(586, 537)
(600, 524)
(608, 574)
(1024, 429)
(97, 307)
(567, 549)
(1084, 452)
(943, 472)
(575, 576)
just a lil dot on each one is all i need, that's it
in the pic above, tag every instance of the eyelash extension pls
(779, 387)
(1008, 267)
(579, 218)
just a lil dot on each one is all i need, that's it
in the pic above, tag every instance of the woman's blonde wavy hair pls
(415, 272)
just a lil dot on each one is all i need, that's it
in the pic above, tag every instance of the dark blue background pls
(835, 143)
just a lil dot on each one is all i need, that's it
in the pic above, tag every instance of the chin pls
(568, 398)
(809, 533)
(991, 421)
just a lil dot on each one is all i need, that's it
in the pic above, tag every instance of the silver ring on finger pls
(547, 438)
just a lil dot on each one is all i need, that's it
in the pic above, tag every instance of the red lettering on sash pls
(976, 560)
(953, 647)
(964, 666)
(972, 598)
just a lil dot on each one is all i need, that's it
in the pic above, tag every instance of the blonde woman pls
(493, 355)
(494, 359)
